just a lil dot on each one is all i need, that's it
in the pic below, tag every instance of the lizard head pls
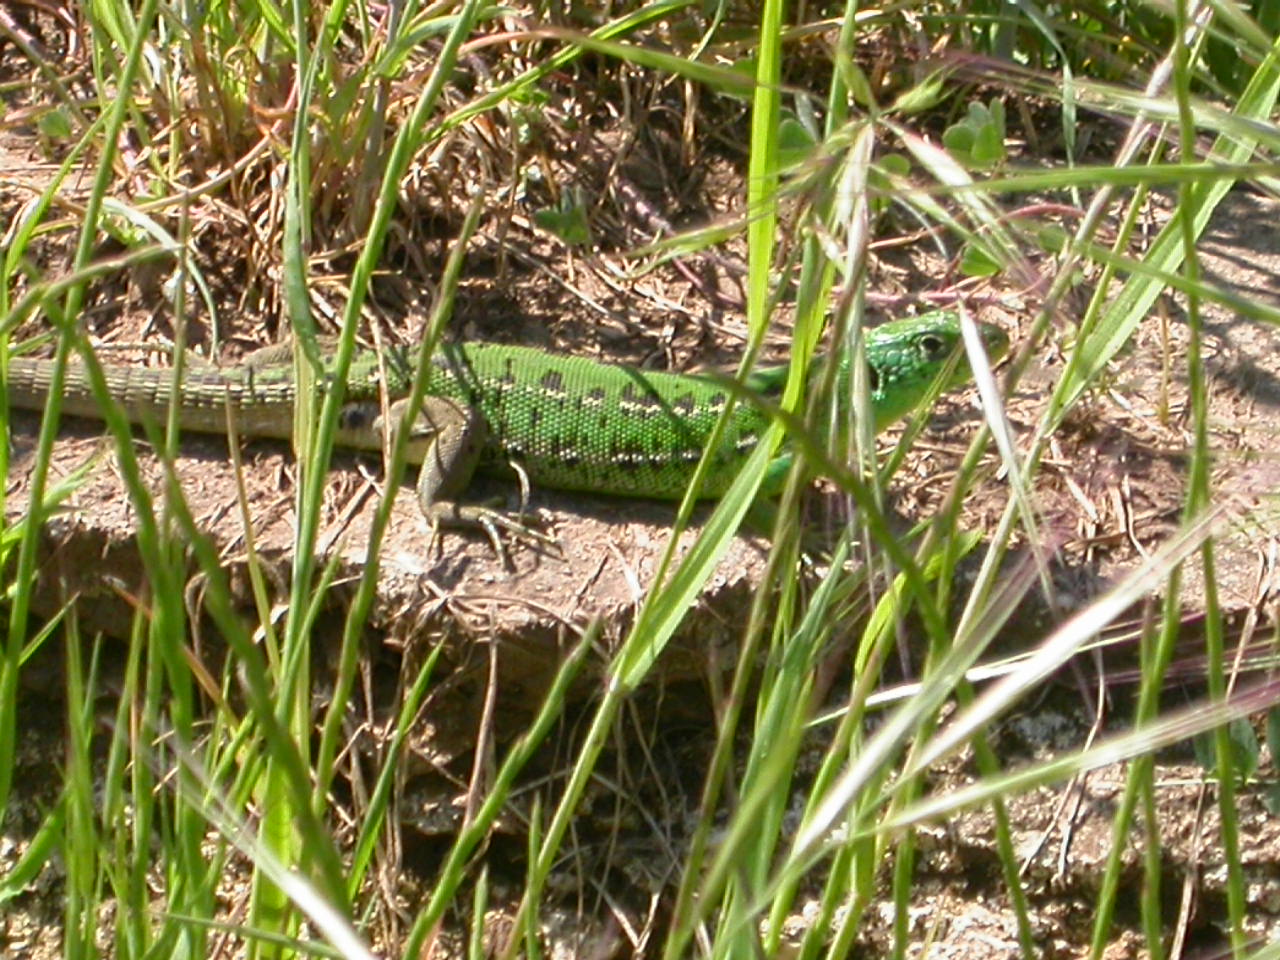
(909, 358)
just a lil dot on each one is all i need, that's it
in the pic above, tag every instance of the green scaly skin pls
(569, 422)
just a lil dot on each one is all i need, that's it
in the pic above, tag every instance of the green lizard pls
(569, 422)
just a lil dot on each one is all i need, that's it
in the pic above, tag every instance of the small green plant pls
(568, 221)
(977, 141)
(795, 142)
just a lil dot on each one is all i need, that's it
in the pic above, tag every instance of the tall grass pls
(315, 122)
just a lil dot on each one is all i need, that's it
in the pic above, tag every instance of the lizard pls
(568, 422)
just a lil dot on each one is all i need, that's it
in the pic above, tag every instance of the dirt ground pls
(1111, 489)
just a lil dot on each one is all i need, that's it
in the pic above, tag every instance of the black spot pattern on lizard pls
(607, 429)
(357, 416)
(553, 382)
(645, 404)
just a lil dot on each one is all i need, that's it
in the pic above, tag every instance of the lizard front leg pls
(448, 439)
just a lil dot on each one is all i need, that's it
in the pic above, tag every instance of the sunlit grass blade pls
(451, 872)
(1177, 727)
(1115, 325)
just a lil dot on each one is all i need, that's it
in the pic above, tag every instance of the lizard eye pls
(934, 346)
